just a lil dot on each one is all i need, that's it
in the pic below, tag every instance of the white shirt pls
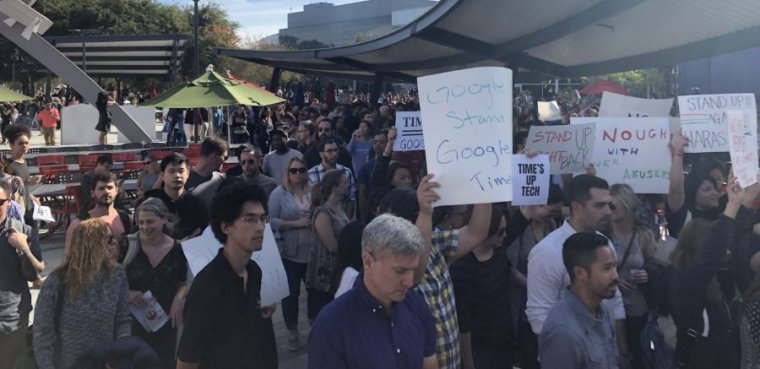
(548, 279)
(346, 281)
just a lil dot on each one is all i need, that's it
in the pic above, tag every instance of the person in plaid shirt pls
(441, 248)
(328, 151)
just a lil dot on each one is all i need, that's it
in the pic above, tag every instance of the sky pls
(260, 18)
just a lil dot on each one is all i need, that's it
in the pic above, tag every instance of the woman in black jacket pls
(706, 337)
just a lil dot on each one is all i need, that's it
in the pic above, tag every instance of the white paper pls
(531, 180)
(549, 111)
(43, 213)
(409, 132)
(703, 119)
(618, 106)
(151, 317)
(468, 137)
(200, 250)
(569, 147)
(742, 140)
(633, 151)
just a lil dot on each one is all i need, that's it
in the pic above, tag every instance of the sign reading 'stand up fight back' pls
(468, 134)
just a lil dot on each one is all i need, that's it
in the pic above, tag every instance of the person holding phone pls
(360, 145)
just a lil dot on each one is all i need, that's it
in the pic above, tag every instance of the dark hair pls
(14, 131)
(580, 251)
(310, 126)
(349, 252)
(330, 180)
(325, 119)
(401, 202)
(213, 145)
(396, 165)
(173, 159)
(579, 188)
(104, 159)
(692, 182)
(106, 177)
(228, 202)
(498, 211)
(555, 194)
(321, 145)
(277, 132)
(248, 148)
(374, 199)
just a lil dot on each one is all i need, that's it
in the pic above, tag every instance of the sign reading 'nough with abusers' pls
(468, 134)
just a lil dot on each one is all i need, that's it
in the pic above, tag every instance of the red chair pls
(50, 160)
(66, 207)
(86, 167)
(192, 152)
(51, 173)
(123, 157)
(89, 159)
(161, 154)
(131, 166)
(227, 166)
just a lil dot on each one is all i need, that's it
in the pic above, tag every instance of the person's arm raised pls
(676, 193)
(425, 198)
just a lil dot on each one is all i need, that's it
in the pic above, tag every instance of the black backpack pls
(657, 291)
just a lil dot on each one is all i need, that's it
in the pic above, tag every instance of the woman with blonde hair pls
(290, 218)
(634, 244)
(83, 303)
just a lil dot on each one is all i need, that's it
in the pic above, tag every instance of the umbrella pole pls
(229, 123)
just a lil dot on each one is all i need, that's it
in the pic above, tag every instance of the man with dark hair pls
(102, 165)
(324, 132)
(364, 177)
(276, 161)
(589, 199)
(328, 152)
(579, 330)
(103, 192)
(304, 137)
(204, 178)
(249, 157)
(191, 214)
(225, 325)
(17, 247)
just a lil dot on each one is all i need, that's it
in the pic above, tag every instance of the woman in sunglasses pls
(148, 178)
(290, 218)
(83, 303)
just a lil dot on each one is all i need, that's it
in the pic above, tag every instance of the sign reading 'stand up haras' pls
(704, 119)
(468, 134)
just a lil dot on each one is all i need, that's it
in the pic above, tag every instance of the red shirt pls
(49, 117)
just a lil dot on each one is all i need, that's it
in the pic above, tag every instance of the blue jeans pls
(175, 134)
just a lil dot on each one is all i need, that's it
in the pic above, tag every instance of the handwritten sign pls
(468, 143)
(409, 129)
(742, 140)
(569, 147)
(633, 151)
(619, 106)
(531, 180)
(200, 250)
(703, 119)
(549, 111)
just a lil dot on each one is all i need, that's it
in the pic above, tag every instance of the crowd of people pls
(392, 281)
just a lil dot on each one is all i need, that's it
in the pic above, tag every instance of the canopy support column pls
(275, 81)
(377, 89)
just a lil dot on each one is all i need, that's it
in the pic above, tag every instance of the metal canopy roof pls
(124, 56)
(557, 37)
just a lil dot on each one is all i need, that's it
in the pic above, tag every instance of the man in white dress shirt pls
(589, 198)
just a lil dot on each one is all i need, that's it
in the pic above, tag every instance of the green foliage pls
(658, 80)
(294, 43)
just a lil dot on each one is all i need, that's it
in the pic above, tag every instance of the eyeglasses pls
(301, 170)
(255, 219)
(249, 161)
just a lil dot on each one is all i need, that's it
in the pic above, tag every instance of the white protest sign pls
(703, 119)
(549, 111)
(468, 140)
(633, 151)
(530, 180)
(569, 147)
(409, 132)
(616, 105)
(152, 317)
(200, 250)
(742, 140)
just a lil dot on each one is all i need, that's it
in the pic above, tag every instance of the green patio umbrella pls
(8, 95)
(213, 89)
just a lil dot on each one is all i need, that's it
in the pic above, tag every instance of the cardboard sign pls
(619, 106)
(570, 147)
(742, 140)
(468, 142)
(531, 180)
(409, 132)
(549, 111)
(200, 250)
(703, 119)
(633, 151)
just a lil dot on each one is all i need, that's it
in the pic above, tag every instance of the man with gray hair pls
(382, 302)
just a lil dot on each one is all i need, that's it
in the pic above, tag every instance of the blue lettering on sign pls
(445, 154)
(488, 182)
(472, 120)
(445, 94)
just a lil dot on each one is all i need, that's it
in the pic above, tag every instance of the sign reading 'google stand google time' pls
(468, 134)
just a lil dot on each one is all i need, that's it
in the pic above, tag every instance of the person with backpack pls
(705, 333)
(83, 303)
(155, 263)
(103, 191)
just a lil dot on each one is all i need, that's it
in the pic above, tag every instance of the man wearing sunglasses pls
(325, 131)
(249, 158)
(276, 160)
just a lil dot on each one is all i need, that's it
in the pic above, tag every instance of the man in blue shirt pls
(380, 323)
(579, 331)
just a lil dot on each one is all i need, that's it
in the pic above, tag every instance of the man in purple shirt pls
(380, 323)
